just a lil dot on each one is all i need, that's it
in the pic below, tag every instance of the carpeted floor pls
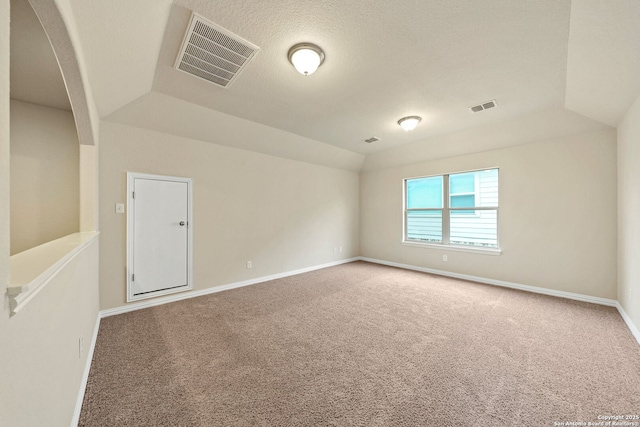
(364, 345)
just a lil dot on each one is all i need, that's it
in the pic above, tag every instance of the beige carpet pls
(365, 345)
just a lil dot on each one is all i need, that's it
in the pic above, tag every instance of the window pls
(458, 209)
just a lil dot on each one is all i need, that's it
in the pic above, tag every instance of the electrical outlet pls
(80, 347)
(445, 258)
(249, 264)
(340, 249)
(335, 250)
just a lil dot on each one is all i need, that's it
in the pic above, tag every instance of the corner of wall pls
(4, 151)
(628, 167)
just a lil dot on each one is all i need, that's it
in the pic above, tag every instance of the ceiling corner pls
(603, 62)
(120, 41)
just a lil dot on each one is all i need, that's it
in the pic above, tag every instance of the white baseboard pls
(534, 289)
(569, 295)
(633, 328)
(138, 306)
(192, 294)
(85, 375)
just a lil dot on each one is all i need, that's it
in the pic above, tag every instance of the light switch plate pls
(120, 208)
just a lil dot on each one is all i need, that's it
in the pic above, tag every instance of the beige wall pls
(5, 326)
(44, 175)
(4, 153)
(40, 364)
(557, 225)
(628, 213)
(281, 214)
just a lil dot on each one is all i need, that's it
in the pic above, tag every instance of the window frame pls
(446, 213)
(475, 193)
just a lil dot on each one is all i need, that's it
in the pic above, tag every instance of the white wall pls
(44, 175)
(281, 214)
(628, 209)
(557, 218)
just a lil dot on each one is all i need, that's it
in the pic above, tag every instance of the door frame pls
(131, 177)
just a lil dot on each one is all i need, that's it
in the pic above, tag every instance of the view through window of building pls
(453, 209)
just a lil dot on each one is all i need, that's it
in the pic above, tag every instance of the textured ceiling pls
(603, 76)
(35, 75)
(120, 44)
(174, 116)
(384, 60)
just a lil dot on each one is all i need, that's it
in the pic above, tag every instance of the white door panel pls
(158, 236)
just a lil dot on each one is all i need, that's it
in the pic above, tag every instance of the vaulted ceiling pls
(556, 66)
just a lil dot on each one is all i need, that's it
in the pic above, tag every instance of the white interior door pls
(158, 234)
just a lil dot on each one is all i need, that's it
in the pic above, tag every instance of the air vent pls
(483, 106)
(372, 139)
(212, 53)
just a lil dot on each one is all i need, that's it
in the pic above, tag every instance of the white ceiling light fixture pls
(409, 123)
(306, 57)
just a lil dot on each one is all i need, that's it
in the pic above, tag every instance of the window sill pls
(32, 269)
(454, 248)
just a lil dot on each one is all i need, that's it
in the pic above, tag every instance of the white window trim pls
(446, 209)
(475, 192)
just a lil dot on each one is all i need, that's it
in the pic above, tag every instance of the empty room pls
(310, 213)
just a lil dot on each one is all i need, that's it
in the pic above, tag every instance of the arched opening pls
(44, 145)
(52, 289)
(53, 131)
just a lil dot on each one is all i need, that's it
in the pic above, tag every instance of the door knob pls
(182, 223)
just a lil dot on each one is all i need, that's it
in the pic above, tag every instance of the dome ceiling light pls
(306, 57)
(409, 123)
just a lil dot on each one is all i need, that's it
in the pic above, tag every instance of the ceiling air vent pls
(212, 53)
(372, 139)
(483, 106)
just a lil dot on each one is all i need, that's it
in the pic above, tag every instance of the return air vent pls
(372, 139)
(212, 53)
(483, 106)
